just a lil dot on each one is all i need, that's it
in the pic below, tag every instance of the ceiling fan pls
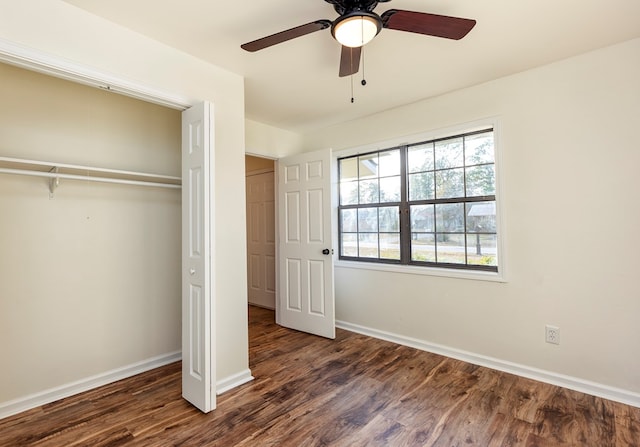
(358, 24)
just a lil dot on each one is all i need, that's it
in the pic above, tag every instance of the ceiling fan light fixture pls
(356, 29)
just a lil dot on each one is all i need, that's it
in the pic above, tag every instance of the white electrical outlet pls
(552, 334)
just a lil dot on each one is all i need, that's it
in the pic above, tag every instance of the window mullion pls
(405, 220)
(464, 205)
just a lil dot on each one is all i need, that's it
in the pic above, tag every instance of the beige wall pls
(89, 280)
(569, 146)
(71, 34)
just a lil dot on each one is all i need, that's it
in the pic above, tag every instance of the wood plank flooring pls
(353, 391)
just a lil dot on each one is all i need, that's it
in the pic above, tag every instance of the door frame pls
(52, 65)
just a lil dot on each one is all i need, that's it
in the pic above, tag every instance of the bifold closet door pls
(198, 356)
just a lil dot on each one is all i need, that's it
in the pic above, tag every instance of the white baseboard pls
(233, 381)
(264, 306)
(45, 397)
(573, 383)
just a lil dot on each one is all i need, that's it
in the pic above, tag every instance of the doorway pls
(261, 231)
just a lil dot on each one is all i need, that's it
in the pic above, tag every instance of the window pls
(431, 203)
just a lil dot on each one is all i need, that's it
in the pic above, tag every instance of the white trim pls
(35, 60)
(476, 275)
(233, 381)
(258, 155)
(45, 397)
(553, 378)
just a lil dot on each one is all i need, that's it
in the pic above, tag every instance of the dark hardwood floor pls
(353, 391)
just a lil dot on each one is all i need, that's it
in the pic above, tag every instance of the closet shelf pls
(56, 171)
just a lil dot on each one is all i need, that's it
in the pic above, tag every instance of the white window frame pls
(500, 275)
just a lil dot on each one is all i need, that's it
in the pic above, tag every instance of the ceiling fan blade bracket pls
(385, 16)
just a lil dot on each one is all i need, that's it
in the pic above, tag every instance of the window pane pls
(451, 248)
(389, 163)
(421, 186)
(481, 217)
(450, 218)
(369, 191)
(389, 219)
(450, 183)
(368, 245)
(349, 220)
(349, 169)
(349, 193)
(423, 247)
(368, 220)
(349, 244)
(390, 189)
(368, 166)
(390, 245)
(441, 184)
(479, 149)
(420, 158)
(449, 153)
(422, 218)
(482, 249)
(481, 181)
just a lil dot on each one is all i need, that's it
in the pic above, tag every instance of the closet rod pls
(51, 164)
(89, 178)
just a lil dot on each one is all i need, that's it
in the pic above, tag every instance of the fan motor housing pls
(345, 6)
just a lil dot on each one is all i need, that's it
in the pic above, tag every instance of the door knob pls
(326, 251)
(192, 272)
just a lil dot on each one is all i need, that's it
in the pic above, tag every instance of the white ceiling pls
(295, 85)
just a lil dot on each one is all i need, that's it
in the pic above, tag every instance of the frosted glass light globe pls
(356, 31)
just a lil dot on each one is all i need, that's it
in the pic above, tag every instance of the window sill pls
(427, 271)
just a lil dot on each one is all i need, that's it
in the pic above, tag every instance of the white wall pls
(569, 145)
(62, 30)
(263, 139)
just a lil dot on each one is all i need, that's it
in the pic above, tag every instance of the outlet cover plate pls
(552, 334)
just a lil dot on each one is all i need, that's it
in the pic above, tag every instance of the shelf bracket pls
(54, 182)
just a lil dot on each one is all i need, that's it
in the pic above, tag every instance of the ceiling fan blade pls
(430, 24)
(283, 36)
(349, 61)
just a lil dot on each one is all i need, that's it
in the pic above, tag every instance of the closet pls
(90, 232)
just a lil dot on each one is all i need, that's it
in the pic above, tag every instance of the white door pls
(305, 259)
(197, 304)
(261, 239)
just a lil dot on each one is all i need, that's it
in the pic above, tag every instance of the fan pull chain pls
(352, 98)
(363, 82)
(351, 66)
